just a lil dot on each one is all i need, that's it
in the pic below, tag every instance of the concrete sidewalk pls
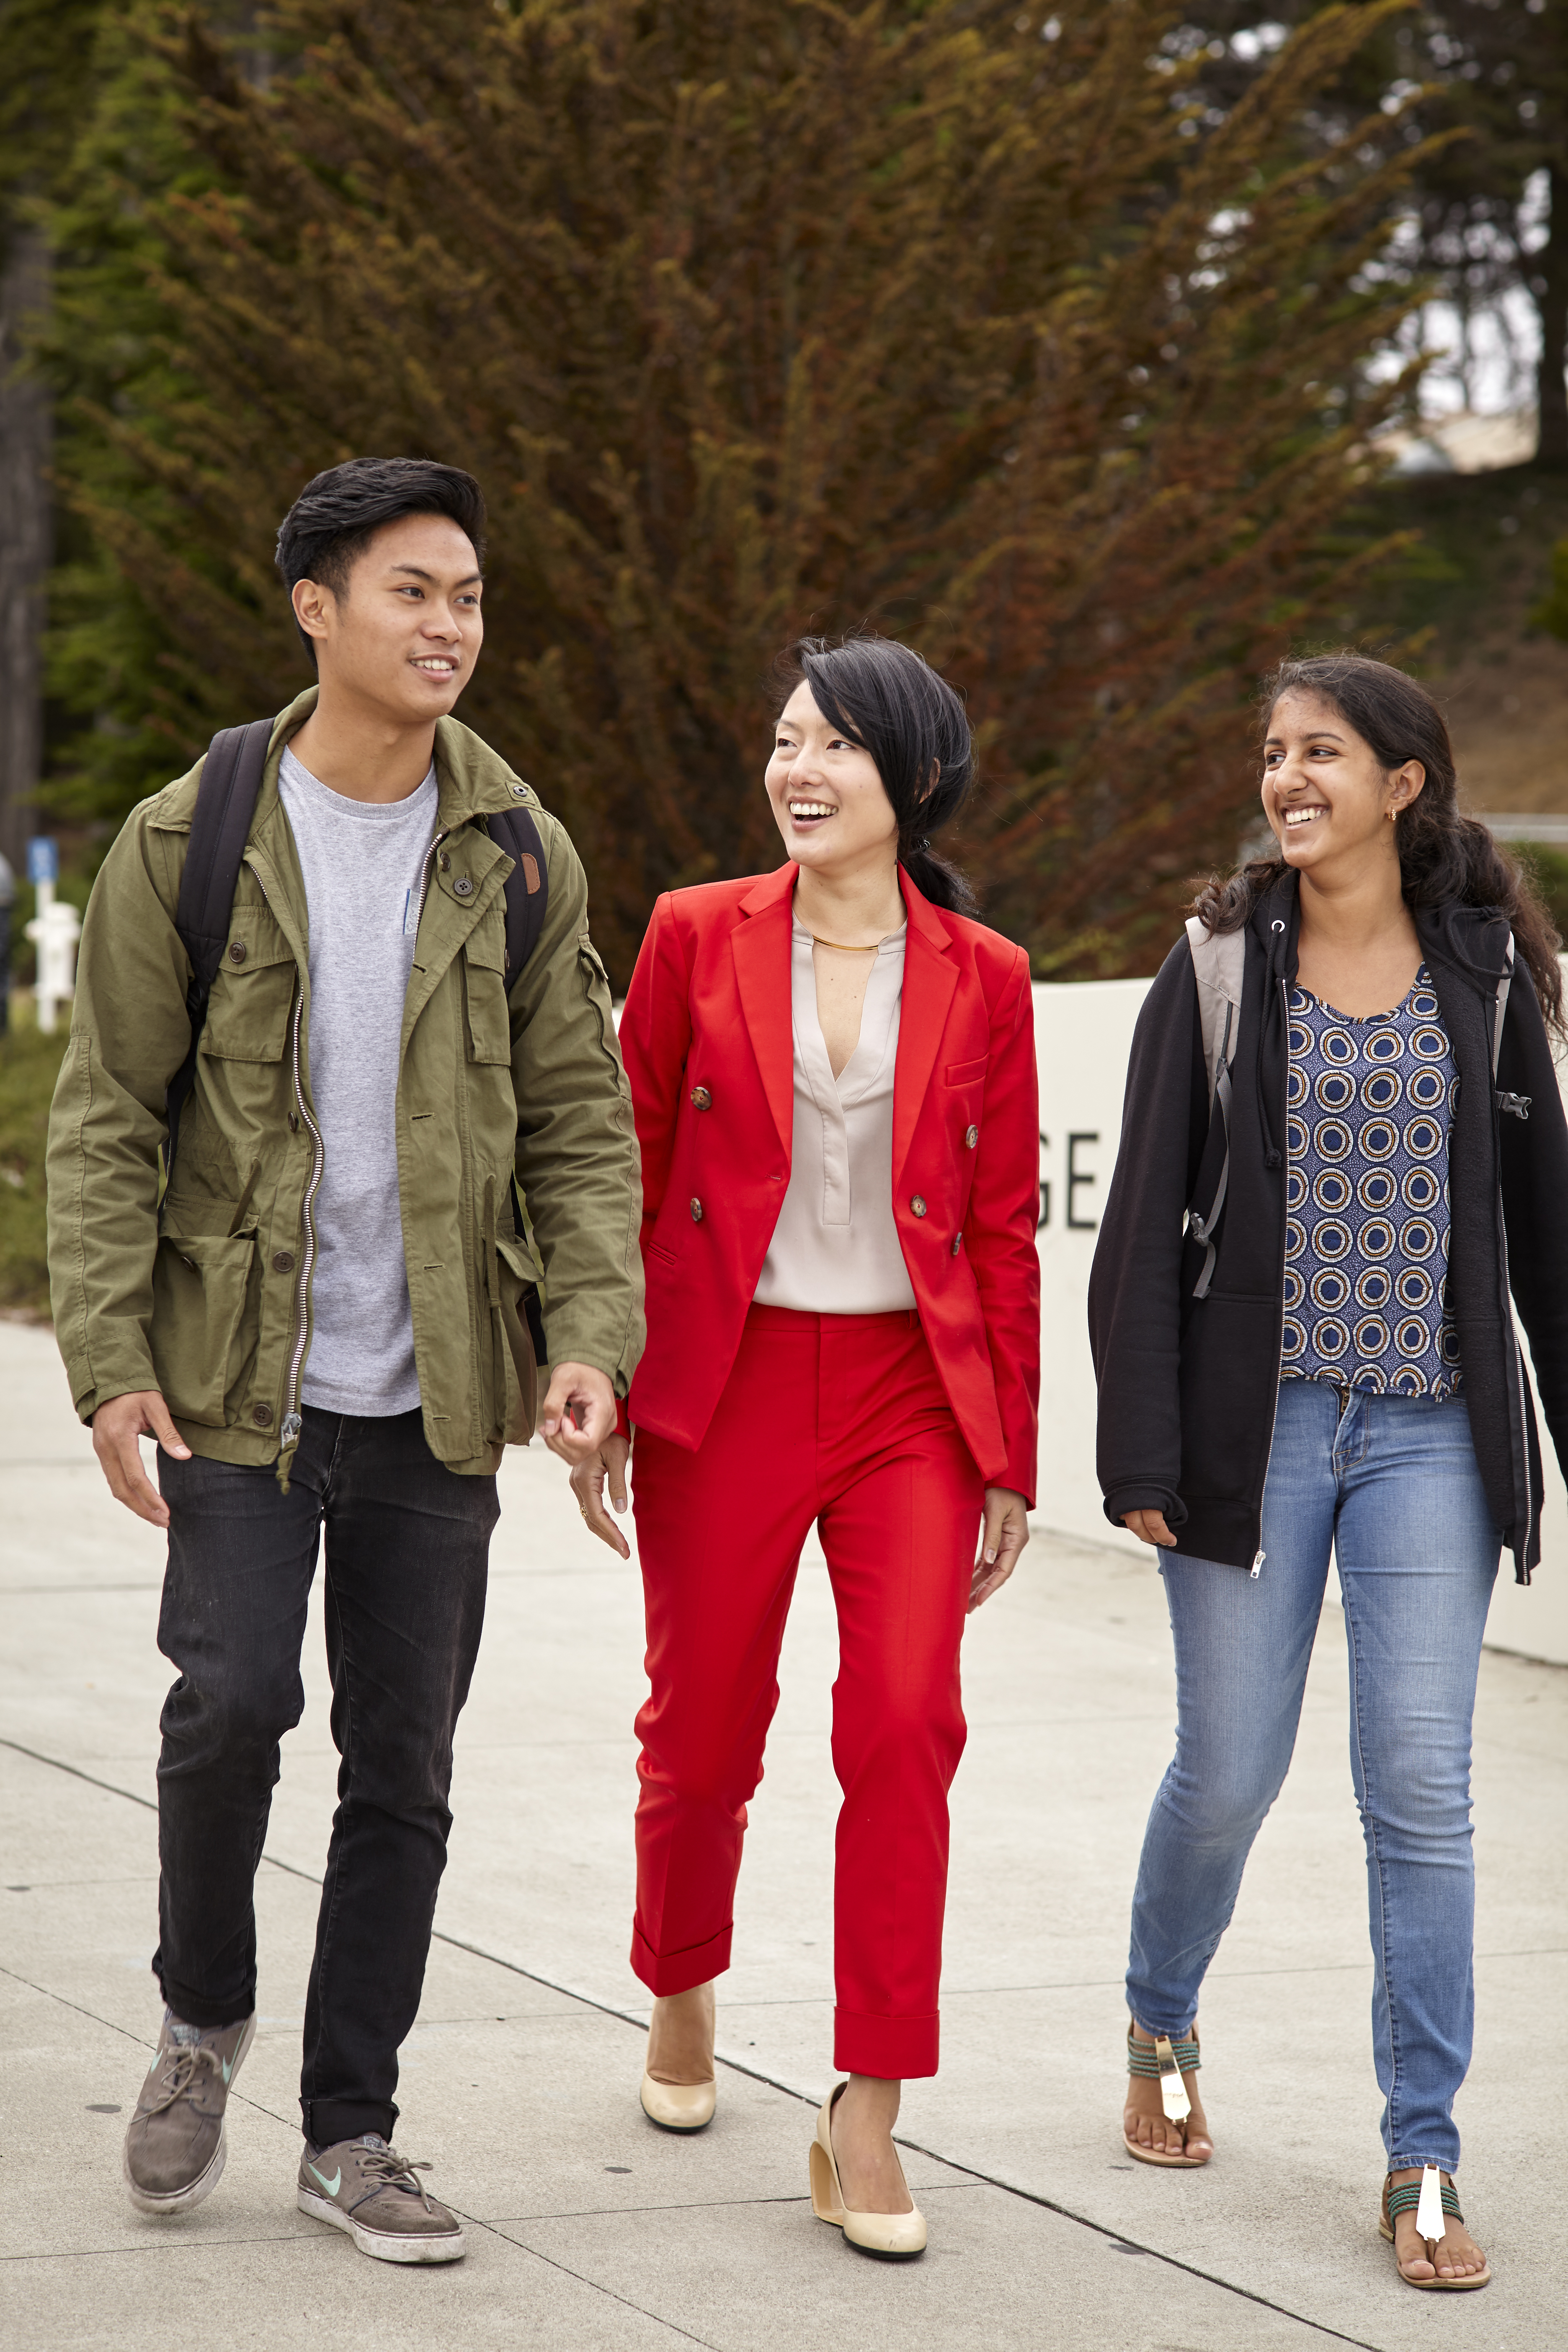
(590, 2228)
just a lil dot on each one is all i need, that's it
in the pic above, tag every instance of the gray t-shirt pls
(363, 867)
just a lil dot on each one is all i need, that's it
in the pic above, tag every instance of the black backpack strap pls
(527, 901)
(527, 886)
(220, 827)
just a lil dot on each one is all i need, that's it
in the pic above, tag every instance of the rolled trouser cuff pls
(672, 1973)
(192, 2010)
(326, 2121)
(897, 2048)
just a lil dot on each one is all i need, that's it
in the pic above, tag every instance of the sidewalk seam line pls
(755, 2074)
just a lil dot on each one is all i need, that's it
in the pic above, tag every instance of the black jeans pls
(407, 1553)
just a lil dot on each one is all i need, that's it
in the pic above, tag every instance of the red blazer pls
(706, 1032)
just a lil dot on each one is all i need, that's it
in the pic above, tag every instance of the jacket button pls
(701, 1098)
(971, 1137)
(462, 888)
(236, 952)
(261, 1415)
(957, 1244)
(917, 1205)
(697, 1213)
(445, 861)
(284, 1262)
(293, 1122)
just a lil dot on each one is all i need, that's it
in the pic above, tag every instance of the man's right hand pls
(116, 1428)
(1148, 1526)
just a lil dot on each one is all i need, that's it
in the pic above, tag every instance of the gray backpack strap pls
(1217, 962)
(1516, 1105)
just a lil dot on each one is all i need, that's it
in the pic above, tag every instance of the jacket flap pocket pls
(489, 1016)
(201, 1286)
(485, 946)
(253, 994)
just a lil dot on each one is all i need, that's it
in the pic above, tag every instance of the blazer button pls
(701, 1100)
(971, 1137)
(462, 886)
(917, 1205)
(957, 1244)
(697, 1213)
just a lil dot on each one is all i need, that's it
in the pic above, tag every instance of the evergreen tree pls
(750, 318)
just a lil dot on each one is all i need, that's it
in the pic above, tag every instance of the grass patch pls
(29, 1064)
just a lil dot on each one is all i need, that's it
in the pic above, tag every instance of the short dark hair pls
(339, 512)
(889, 700)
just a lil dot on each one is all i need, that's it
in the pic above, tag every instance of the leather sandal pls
(1435, 2201)
(1164, 2062)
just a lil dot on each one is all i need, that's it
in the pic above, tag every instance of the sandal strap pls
(1142, 2057)
(1407, 2195)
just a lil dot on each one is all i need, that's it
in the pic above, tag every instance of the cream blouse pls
(835, 1250)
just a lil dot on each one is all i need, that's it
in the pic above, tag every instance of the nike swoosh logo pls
(332, 2186)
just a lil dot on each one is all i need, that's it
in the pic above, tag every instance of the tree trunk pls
(1551, 281)
(25, 540)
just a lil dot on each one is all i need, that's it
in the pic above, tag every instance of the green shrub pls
(29, 1065)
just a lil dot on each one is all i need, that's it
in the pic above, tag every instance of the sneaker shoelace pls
(179, 2075)
(385, 2169)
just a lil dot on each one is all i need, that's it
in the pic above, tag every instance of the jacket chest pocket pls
(253, 994)
(488, 1013)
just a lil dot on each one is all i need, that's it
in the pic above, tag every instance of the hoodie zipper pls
(1279, 1343)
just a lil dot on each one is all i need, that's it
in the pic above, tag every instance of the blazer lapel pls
(760, 946)
(931, 977)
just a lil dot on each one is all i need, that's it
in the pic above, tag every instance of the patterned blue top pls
(1370, 1106)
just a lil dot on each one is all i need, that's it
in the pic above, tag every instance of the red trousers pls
(840, 1419)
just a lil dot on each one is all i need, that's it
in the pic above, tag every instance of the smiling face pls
(827, 794)
(1325, 794)
(406, 632)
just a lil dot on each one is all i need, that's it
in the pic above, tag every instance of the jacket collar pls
(759, 947)
(471, 779)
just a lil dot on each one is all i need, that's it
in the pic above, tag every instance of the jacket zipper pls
(1521, 1402)
(293, 1420)
(1279, 1344)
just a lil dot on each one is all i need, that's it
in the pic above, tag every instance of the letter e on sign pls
(1077, 1178)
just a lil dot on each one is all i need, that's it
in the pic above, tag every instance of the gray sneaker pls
(175, 2144)
(365, 2187)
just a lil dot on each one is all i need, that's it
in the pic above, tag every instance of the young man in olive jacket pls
(320, 1320)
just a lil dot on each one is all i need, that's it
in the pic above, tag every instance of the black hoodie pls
(1188, 1386)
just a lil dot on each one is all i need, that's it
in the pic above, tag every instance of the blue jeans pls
(1391, 1484)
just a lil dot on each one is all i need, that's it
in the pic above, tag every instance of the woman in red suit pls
(833, 1070)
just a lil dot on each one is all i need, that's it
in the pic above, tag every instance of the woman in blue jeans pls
(1343, 1164)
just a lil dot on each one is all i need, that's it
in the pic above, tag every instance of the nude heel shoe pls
(678, 2107)
(896, 2237)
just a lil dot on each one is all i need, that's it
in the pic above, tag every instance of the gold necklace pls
(875, 948)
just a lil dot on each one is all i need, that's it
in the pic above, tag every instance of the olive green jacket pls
(204, 1293)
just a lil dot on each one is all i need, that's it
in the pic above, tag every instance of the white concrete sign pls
(1083, 1030)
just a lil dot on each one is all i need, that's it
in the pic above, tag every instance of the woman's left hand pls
(1005, 1532)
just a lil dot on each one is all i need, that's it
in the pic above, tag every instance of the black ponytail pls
(893, 704)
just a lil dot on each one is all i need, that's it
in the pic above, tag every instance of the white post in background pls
(54, 931)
